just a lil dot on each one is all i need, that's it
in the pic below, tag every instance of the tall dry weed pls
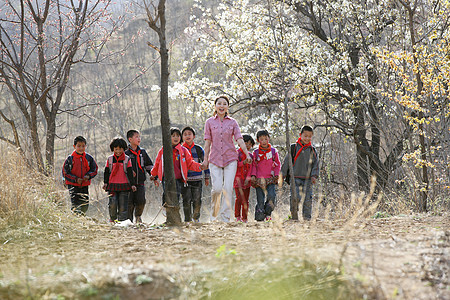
(25, 195)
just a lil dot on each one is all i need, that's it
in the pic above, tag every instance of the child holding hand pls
(241, 181)
(182, 163)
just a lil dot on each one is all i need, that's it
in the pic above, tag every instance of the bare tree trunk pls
(171, 199)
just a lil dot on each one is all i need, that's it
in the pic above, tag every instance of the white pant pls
(222, 180)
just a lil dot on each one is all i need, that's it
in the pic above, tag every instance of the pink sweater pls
(266, 167)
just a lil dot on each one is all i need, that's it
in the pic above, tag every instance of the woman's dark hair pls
(189, 128)
(79, 139)
(118, 142)
(262, 132)
(222, 97)
(247, 138)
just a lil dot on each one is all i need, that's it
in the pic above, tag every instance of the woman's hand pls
(205, 164)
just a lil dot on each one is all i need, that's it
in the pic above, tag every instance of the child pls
(118, 180)
(306, 169)
(241, 182)
(192, 192)
(140, 162)
(264, 175)
(182, 162)
(78, 170)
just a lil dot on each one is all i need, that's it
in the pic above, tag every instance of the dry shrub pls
(26, 196)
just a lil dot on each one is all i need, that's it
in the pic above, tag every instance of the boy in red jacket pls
(78, 170)
(182, 162)
(241, 182)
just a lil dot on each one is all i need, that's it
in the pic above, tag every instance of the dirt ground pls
(405, 257)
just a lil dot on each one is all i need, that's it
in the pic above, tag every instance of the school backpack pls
(287, 177)
(125, 163)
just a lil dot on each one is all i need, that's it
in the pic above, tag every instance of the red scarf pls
(299, 141)
(85, 162)
(116, 166)
(189, 147)
(138, 155)
(263, 152)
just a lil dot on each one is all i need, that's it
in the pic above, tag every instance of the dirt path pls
(399, 257)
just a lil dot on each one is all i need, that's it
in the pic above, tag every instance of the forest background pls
(371, 77)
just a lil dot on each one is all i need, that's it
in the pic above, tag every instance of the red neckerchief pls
(299, 141)
(116, 166)
(138, 155)
(85, 162)
(263, 152)
(188, 147)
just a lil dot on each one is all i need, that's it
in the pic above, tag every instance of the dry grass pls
(28, 198)
(281, 259)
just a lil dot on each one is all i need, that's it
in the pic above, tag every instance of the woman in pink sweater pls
(220, 130)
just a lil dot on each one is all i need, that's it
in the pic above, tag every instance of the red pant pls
(242, 196)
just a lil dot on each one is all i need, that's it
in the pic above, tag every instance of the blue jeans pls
(303, 188)
(264, 207)
(118, 206)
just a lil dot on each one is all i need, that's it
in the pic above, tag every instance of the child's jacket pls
(77, 166)
(307, 163)
(140, 162)
(266, 163)
(184, 158)
(198, 155)
(243, 171)
(115, 176)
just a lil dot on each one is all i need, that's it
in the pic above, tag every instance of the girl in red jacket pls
(242, 182)
(182, 162)
(118, 180)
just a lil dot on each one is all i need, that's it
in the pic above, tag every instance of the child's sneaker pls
(239, 219)
(268, 219)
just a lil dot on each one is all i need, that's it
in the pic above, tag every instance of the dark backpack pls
(287, 177)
